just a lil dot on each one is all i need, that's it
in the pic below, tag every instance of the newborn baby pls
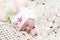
(29, 27)
(24, 21)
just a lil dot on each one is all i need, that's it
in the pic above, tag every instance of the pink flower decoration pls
(15, 24)
(20, 19)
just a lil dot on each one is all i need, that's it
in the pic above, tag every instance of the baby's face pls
(29, 26)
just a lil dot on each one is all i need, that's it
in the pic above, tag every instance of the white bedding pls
(47, 22)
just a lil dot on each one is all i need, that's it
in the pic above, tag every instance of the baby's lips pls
(33, 32)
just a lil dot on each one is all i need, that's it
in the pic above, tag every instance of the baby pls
(24, 21)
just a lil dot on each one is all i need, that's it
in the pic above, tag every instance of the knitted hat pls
(21, 17)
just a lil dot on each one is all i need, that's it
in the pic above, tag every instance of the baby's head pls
(29, 27)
